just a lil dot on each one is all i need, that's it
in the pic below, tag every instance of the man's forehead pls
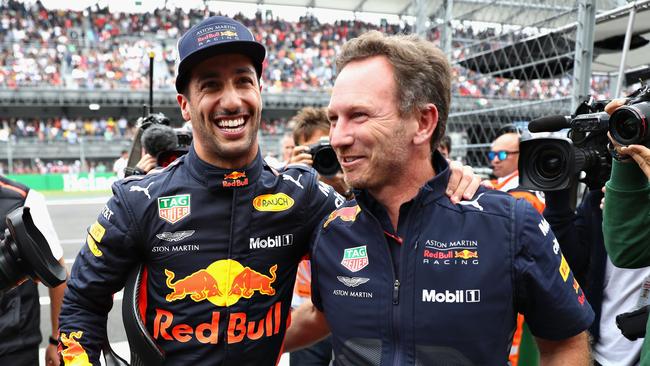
(506, 141)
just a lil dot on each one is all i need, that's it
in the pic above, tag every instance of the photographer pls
(155, 139)
(311, 125)
(626, 214)
(19, 308)
(627, 205)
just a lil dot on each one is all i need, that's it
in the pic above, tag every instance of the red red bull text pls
(239, 327)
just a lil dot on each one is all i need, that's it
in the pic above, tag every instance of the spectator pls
(120, 164)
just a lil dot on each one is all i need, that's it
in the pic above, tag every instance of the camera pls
(554, 163)
(633, 324)
(324, 158)
(24, 252)
(158, 139)
(629, 123)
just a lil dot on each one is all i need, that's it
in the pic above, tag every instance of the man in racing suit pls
(402, 276)
(219, 232)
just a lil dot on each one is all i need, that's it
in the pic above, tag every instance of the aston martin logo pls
(177, 236)
(352, 281)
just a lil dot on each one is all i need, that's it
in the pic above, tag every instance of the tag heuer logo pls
(355, 259)
(174, 208)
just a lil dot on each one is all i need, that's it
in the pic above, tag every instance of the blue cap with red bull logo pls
(214, 36)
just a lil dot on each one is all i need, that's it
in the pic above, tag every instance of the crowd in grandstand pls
(95, 49)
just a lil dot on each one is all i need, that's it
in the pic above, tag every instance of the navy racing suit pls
(445, 288)
(220, 249)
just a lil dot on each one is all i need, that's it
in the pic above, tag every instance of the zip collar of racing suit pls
(436, 185)
(215, 178)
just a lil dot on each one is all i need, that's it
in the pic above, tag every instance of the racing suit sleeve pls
(554, 305)
(324, 200)
(99, 271)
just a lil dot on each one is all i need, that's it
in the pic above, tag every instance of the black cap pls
(215, 36)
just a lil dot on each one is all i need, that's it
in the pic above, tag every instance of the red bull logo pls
(348, 214)
(74, 354)
(466, 254)
(235, 179)
(222, 283)
(240, 328)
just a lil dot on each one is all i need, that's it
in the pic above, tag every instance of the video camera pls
(324, 157)
(553, 163)
(156, 136)
(24, 252)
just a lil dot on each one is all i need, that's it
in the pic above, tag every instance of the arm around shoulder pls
(308, 326)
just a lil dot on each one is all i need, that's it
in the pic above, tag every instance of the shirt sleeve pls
(41, 217)
(626, 216)
(99, 271)
(547, 293)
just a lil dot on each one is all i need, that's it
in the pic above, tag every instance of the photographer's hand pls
(614, 105)
(640, 154)
(301, 155)
(146, 163)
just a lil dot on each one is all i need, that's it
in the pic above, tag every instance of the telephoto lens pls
(629, 124)
(24, 252)
(324, 157)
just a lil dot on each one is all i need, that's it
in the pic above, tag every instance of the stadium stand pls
(54, 63)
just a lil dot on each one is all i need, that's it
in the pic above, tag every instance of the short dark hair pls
(308, 121)
(445, 142)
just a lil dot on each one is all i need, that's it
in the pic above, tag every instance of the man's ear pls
(184, 103)
(427, 123)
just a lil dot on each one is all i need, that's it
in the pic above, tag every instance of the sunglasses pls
(502, 155)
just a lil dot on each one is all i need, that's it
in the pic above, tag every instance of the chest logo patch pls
(273, 202)
(174, 208)
(355, 259)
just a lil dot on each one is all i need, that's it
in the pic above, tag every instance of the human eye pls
(209, 84)
(359, 116)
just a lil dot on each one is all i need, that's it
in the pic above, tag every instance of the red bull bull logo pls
(348, 214)
(240, 327)
(74, 354)
(222, 283)
(466, 254)
(235, 179)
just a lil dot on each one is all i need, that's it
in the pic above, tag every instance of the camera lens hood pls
(26, 253)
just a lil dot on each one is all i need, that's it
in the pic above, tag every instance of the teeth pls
(230, 123)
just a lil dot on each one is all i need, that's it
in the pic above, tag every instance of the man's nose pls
(341, 134)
